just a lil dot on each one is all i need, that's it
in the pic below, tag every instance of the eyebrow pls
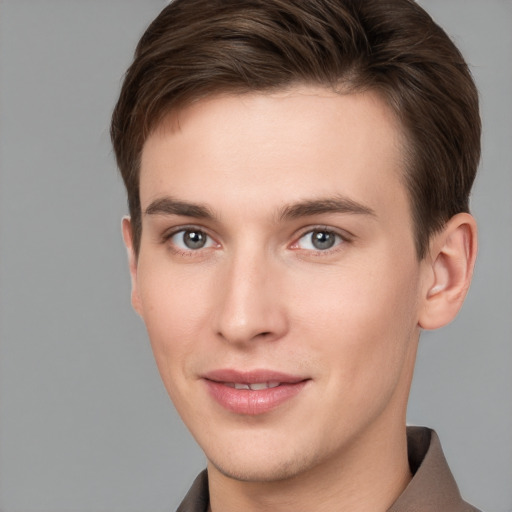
(338, 204)
(170, 206)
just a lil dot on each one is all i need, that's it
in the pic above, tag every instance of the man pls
(298, 177)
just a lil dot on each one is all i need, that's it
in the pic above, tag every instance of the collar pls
(431, 489)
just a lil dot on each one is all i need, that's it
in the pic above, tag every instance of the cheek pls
(173, 310)
(363, 316)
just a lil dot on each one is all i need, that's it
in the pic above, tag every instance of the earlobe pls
(449, 271)
(132, 262)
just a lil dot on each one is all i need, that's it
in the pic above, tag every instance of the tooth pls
(241, 386)
(273, 384)
(259, 385)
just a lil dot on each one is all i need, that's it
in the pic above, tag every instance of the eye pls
(191, 240)
(318, 240)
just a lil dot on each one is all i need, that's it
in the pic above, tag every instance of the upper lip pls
(252, 376)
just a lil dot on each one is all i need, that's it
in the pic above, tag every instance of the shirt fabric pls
(432, 488)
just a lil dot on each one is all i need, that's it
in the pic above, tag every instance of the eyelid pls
(169, 233)
(345, 236)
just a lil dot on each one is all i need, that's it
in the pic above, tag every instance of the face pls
(277, 276)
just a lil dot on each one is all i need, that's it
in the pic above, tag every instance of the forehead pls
(284, 146)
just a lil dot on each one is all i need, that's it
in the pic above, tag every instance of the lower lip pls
(253, 402)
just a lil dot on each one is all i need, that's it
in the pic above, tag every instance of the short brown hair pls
(197, 48)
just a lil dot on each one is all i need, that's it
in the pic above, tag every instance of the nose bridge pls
(249, 305)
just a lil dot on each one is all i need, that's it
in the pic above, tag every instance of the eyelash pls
(340, 240)
(166, 238)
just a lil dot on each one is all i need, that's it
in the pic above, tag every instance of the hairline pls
(166, 118)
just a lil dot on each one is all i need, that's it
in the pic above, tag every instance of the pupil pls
(194, 239)
(323, 239)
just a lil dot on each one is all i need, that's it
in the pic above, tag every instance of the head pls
(298, 177)
(200, 48)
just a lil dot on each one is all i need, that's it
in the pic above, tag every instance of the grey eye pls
(194, 239)
(191, 239)
(323, 239)
(319, 240)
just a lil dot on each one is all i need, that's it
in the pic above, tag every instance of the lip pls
(252, 402)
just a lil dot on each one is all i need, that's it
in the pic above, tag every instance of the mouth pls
(253, 393)
(256, 386)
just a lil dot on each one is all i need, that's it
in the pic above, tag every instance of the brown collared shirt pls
(432, 488)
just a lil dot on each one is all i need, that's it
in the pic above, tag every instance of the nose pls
(251, 303)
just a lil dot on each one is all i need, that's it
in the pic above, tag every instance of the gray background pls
(85, 424)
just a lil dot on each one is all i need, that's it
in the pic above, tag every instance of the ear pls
(449, 268)
(132, 262)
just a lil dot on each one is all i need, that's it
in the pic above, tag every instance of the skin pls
(257, 174)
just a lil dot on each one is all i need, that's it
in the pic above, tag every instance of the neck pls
(369, 476)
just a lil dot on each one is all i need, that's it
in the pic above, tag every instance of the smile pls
(252, 393)
(254, 387)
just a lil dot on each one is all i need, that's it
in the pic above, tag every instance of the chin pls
(268, 467)
(251, 473)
